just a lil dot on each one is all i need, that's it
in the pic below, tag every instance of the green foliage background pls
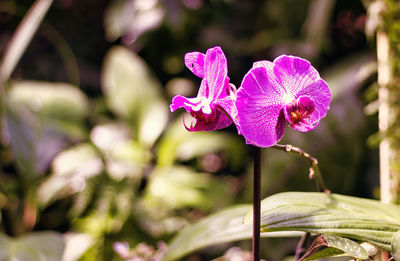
(88, 146)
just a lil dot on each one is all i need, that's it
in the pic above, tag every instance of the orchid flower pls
(213, 107)
(289, 90)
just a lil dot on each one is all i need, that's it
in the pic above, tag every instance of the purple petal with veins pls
(213, 108)
(194, 61)
(289, 89)
(259, 108)
(300, 78)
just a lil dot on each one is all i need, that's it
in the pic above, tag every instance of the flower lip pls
(301, 114)
(298, 109)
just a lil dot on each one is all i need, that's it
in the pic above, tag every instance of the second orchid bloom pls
(289, 89)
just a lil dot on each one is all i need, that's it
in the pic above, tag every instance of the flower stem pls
(315, 172)
(300, 245)
(256, 204)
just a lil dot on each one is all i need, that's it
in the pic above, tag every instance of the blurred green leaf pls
(23, 130)
(321, 213)
(124, 157)
(70, 170)
(131, 18)
(316, 25)
(60, 101)
(222, 227)
(133, 92)
(33, 142)
(110, 207)
(179, 144)
(76, 245)
(178, 187)
(117, 18)
(347, 75)
(153, 119)
(40, 117)
(38, 246)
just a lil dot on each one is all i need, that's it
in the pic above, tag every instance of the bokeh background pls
(90, 151)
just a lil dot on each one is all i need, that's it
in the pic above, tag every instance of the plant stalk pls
(21, 38)
(300, 246)
(256, 204)
(315, 172)
(388, 174)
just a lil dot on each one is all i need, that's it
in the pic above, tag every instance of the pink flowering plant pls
(271, 94)
(288, 91)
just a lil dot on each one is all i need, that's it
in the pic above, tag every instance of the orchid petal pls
(213, 108)
(216, 71)
(294, 73)
(321, 95)
(180, 101)
(266, 64)
(300, 78)
(194, 61)
(259, 108)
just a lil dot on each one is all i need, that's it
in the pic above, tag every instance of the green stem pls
(315, 172)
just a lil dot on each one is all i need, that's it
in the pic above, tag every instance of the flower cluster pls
(289, 89)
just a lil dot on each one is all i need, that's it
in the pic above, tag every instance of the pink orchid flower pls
(213, 107)
(288, 90)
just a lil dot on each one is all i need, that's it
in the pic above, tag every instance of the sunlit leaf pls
(337, 246)
(325, 253)
(153, 119)
(179, 144)
(61, 101)
(76, 245)
(396, 246)
(134, 93)
(348, 246)
(38, 246)
(321, 213)
(222, 227)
